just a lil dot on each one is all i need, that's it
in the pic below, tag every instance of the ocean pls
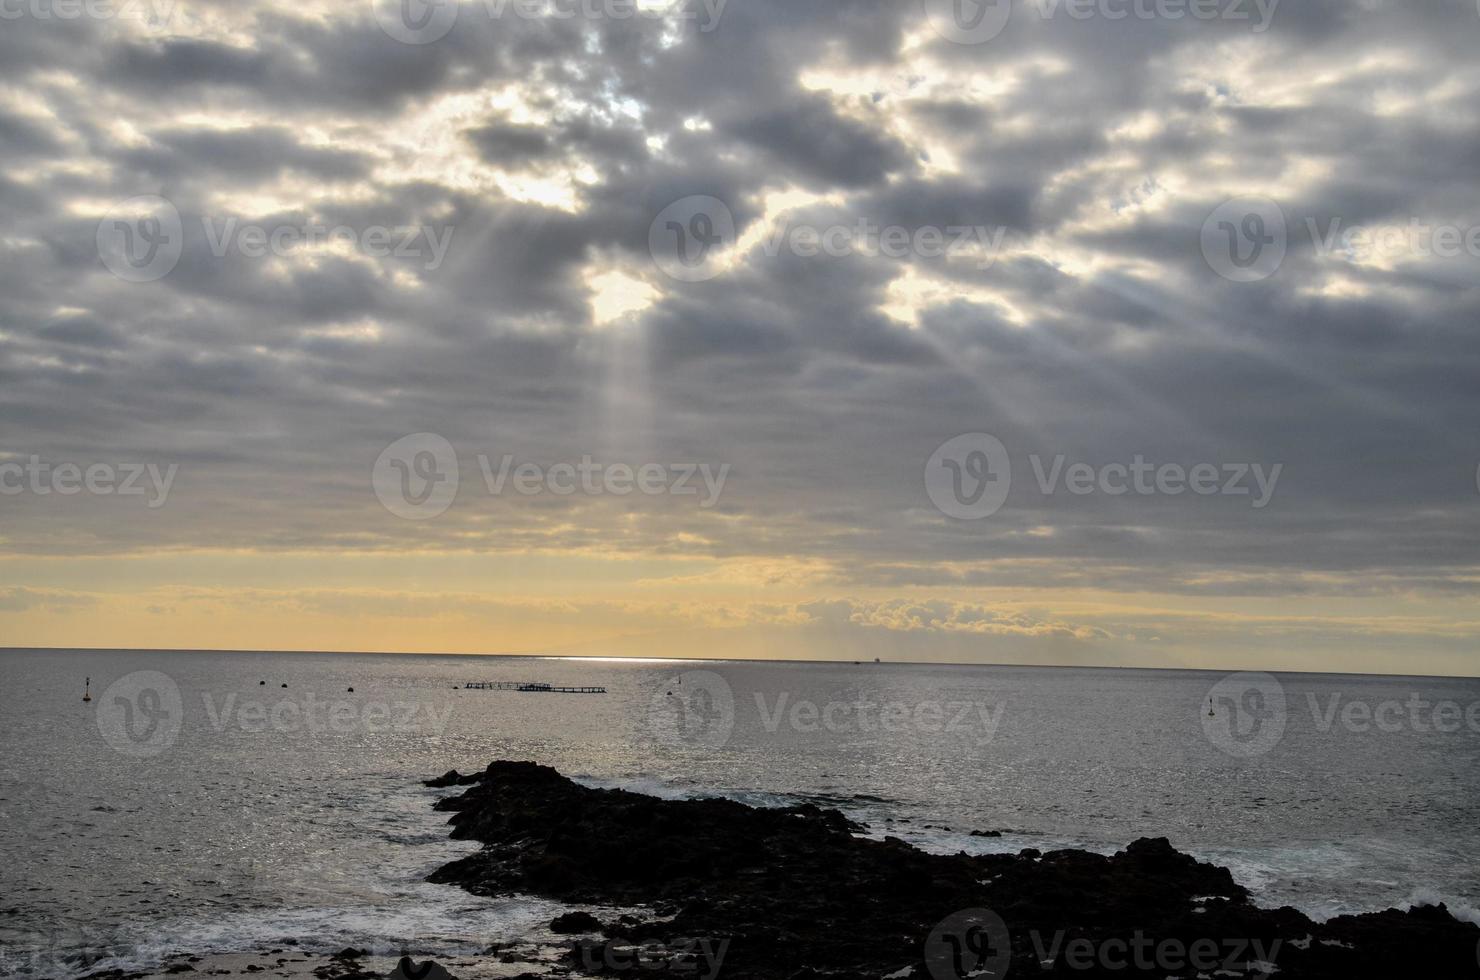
(197, 805)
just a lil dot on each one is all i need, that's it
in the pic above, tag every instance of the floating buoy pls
(261, 683)
(87, 690)
(285, 685)
(351, 690)
(1211, 712)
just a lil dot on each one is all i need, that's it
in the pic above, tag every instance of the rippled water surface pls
(237, 813)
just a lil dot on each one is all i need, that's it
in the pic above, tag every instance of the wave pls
(423, 919)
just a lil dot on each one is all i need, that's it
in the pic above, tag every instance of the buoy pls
(1211, 712)
(87, 690)
(261, 683)
(351, 690)
(285, 685)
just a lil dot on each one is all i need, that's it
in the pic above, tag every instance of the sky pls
(1058, 332)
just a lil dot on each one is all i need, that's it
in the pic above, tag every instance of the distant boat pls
(87, 690)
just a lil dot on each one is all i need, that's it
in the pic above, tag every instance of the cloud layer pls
(1094, 325)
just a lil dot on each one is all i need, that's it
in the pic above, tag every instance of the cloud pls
(1098, 331)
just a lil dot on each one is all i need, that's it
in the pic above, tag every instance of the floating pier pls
(529, 687)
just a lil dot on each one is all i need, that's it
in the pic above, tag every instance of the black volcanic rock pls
(452, 778)
(786, 893)
(572, 922)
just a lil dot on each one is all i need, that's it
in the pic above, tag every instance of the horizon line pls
(742, 660)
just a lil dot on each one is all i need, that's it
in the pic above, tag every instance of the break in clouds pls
(928, 225)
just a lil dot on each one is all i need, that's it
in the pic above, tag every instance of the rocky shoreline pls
(755, 894)
(713, 889)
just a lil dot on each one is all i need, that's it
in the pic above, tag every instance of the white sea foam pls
(425, 919)
(1461, 910)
